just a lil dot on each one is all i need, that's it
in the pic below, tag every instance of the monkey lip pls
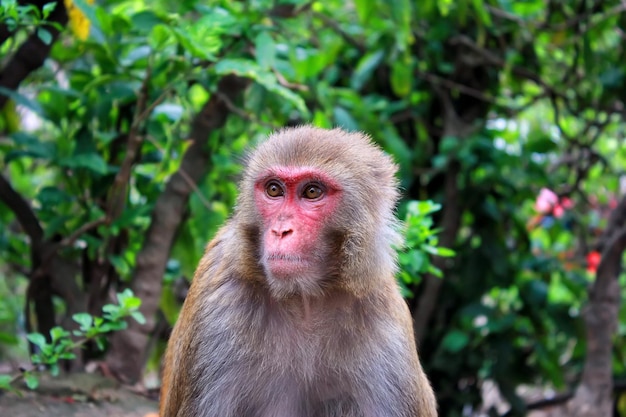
(284, 257)
(283, 265)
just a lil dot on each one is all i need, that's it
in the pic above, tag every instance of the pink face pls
(294, 204)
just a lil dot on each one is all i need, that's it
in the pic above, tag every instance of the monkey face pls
(294, 204)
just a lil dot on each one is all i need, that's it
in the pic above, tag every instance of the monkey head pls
(322, 203)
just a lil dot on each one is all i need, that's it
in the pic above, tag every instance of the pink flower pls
(546, 200)
(567, 203)
(558, 211)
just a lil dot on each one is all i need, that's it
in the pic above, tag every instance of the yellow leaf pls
(78, 22)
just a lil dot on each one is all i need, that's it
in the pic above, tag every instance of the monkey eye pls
(312, 192)
(274, 189)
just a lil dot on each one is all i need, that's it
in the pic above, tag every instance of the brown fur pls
(344, 348)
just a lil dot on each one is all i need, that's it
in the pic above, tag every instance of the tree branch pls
(23, 212)
(451, 218)
(127, 354)
(31, 54)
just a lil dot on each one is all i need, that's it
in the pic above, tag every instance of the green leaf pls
(8, 338)
(265, 50)
(160, 36)
(218, 21)
(364, 9)
(115, 325)
(344, 119)
(58, 333)
(5, 382)
(52, 196)
(454, 341)
(434, 271)
(244, 68)
(199, 45)
(250, 69)
(401, 12)
(430, 249)
(100, 343)
(36, 359)
(145, 20)
(48, 8)
(44, 35)
(91, 161)
(22, 100)
(401, 78)
(125, 295)
(365, 68)
(422, 208)
(612, 77)
(67, 356)
(414, 260)
(31, 380)
(139, 318)
(31, 146)
(445, 252)
(141, 52)
(449, 144)
(37, 339)
(111, 308)
(131, 303)
(482, 12)
(541, 145)
(56, 225)
(444, 6)
(84, 319)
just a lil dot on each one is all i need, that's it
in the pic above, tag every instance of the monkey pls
(294, 310)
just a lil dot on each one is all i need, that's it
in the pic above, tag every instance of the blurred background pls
(123, 125)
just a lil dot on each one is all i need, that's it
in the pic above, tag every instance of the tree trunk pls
(594, 395)
(127, 355)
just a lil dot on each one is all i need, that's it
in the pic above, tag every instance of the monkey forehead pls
(296, 174)
(342, 155)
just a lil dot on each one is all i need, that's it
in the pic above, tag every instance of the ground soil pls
(77, 395)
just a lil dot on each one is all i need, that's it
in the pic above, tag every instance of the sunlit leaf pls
(265, 50)
(31, 380)
(36, 339)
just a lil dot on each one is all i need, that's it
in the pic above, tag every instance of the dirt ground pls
(81, 395)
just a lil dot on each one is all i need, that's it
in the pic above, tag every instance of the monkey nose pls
(282, 232)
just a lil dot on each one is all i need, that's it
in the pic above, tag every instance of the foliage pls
(62, 345)
(420, 243)
(26, 17)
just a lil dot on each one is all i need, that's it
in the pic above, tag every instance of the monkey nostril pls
(282, 233)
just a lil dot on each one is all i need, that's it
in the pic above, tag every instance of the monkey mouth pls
(283, 265)
(285, 257)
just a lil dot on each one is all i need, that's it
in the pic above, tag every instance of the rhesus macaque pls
(294, 310)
